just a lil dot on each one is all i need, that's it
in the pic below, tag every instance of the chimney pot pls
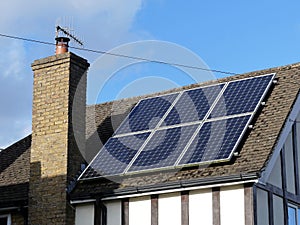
(62, 45)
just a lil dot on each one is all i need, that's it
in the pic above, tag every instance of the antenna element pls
(67, 33)
(63, 36)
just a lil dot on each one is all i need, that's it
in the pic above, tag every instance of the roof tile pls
(254, 151)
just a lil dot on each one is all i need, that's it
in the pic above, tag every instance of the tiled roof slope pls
(102, 119)
(254, 151)
(14, 173)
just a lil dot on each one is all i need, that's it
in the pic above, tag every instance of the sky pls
(231, 36)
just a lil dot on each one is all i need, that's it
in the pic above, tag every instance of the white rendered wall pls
(232, 208)
(200, 207)
(114, 212)
(140, 211)
(169, 209)
(84, 214)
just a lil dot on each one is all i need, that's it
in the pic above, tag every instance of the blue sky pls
(235, 36)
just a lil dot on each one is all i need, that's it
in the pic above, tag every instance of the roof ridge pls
(201, 84)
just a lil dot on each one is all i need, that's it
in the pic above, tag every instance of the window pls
(5, 219)
(298, 141)
(289, 162)
(293, 215)
(278, 214)
(262, 207)
(276, 176)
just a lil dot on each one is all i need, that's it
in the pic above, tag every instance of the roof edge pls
(281, 139)
(175, 185)
(20, 141)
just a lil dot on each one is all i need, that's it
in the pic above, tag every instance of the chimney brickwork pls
(58, 136)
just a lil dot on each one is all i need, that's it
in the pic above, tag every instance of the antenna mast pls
(63, 36)
(68, 34)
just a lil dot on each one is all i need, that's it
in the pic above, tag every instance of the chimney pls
(58, 134)
(62, 45)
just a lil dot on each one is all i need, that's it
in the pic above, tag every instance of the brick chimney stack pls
(59, 98)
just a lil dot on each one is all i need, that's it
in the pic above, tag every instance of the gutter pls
(176, 186)
(82, 201)
(9, 208)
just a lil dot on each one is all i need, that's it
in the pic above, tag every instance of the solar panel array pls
(191, 127)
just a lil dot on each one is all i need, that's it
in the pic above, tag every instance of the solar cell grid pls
(147, 114)
(116, 155)
(215, 140)
(193, 105)
(241, 96)
(164, 148)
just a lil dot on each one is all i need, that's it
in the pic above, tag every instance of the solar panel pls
(215, 140)
(147, 114)
(203, 125)
(115, 155)
(164, 148)
(193, 105)
(241, 96)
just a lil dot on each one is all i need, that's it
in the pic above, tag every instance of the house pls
(254, 181)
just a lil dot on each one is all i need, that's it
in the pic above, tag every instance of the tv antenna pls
(67, 31)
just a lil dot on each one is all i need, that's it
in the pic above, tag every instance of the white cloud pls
(104, 19)
(103, 23)
(13, 62)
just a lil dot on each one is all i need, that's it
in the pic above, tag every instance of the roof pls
(103, 119)
(14, 173)
(255, 150)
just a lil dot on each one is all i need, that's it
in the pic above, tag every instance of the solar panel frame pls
(111, 159)
(206, 119)
(171, 154)
(196, 112)
(159, 127)
(263, 96)
(216, 114)
(136, 107)
(237, 142)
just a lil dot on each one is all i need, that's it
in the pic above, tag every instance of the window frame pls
(8, 216)
(297, 209)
